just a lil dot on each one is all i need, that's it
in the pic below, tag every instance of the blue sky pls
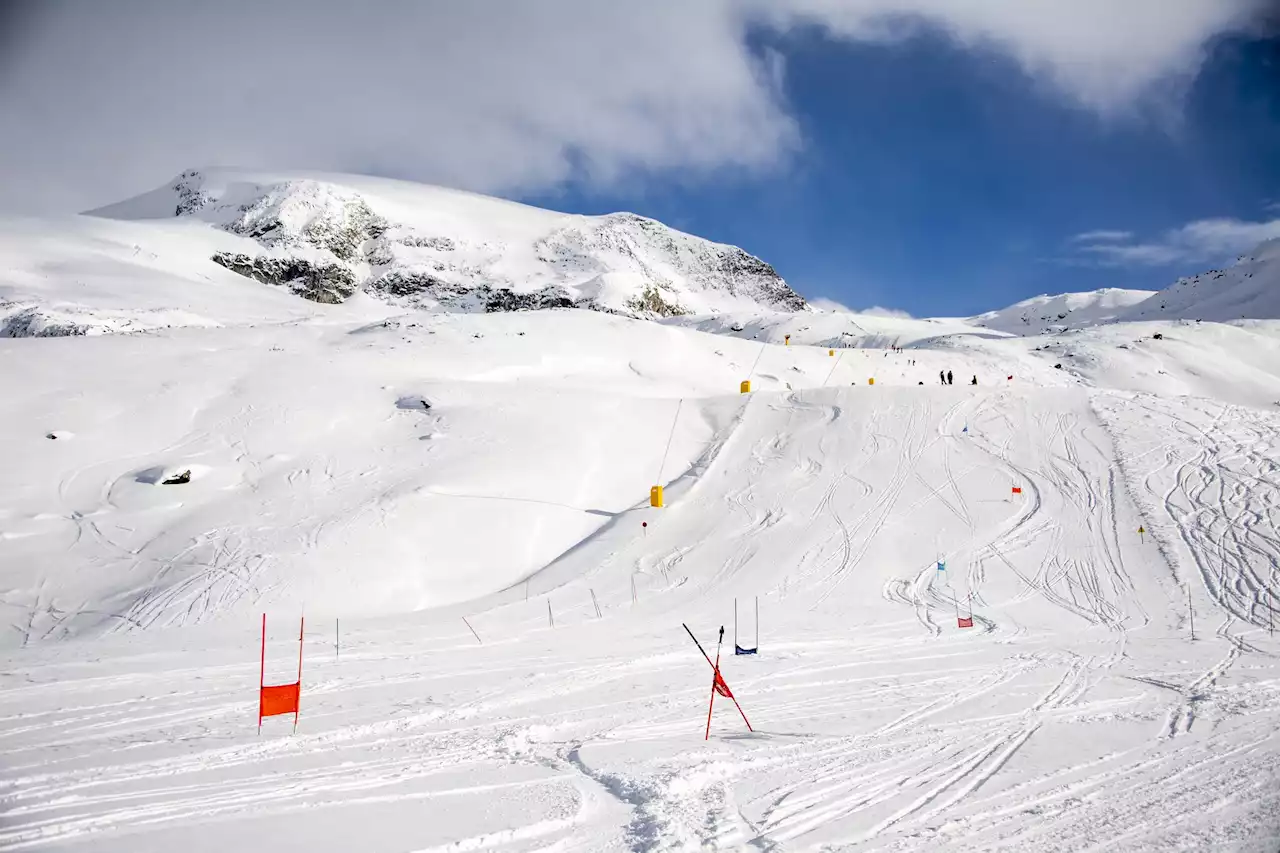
(944, 181)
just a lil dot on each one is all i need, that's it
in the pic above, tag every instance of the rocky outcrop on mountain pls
(324, 237)
(327, 283)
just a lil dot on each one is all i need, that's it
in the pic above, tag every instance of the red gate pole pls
(715, 674)
(297, 705)
(262, 671)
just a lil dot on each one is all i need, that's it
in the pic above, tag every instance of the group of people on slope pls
(947, 378)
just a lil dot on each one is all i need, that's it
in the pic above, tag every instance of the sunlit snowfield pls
(1076, 714)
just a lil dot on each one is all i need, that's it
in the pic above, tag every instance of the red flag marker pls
(718, 684)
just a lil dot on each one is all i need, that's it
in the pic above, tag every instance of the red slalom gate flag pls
(276, 699)
(963, 622)
(718, 684)
(1017, 490)
(721, 687)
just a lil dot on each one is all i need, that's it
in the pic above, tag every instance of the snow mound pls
(1045, 314)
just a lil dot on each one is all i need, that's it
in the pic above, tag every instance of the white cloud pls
(1203, 241)
(1104, 54)
(102, 100)
(1102, 236)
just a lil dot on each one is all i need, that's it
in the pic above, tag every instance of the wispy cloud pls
(1102, 236)
(1205, 240)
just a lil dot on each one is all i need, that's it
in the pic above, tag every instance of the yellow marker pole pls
(745, 387)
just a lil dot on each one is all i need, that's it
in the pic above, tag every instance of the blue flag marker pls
(942, 567)
(966, 428)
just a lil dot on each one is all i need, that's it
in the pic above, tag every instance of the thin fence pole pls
(472, 630)
(1191, 614)
(551, 620)
(595, 603)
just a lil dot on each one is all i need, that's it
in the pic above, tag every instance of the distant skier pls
(950, 378)
(943, 377)
(975, 381)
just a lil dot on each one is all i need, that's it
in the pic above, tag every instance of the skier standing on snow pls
(975, 381)
(943, 377)
(950, 378)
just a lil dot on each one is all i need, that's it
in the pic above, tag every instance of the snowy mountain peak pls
(1249, 289)
(327, 236)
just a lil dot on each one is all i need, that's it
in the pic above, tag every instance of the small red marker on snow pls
(645, 525)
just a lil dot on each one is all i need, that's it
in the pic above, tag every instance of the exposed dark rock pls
(408, 283)
(326, 283)
(507, 300)
(31, 323)
(650, 300)
(441, 244)
(190, 198)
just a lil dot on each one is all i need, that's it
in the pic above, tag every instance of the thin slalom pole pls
(714, 675)
(735, 626)
(262, 671)
(757, 623)
(297, 705)
(699, 645)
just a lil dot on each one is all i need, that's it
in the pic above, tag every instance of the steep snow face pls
(1249, 289)
(1041, 315)
(327, 236)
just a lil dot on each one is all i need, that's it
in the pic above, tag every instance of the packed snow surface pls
(391, 477)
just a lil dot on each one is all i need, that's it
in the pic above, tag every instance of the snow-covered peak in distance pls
(1047, 314)
(327, 236)
(1249, 289)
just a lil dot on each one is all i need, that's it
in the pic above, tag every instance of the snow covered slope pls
(327, 236)
(389, 472)
(1041, 315)
(83, 276)
(404, 474)
(1249, 289)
